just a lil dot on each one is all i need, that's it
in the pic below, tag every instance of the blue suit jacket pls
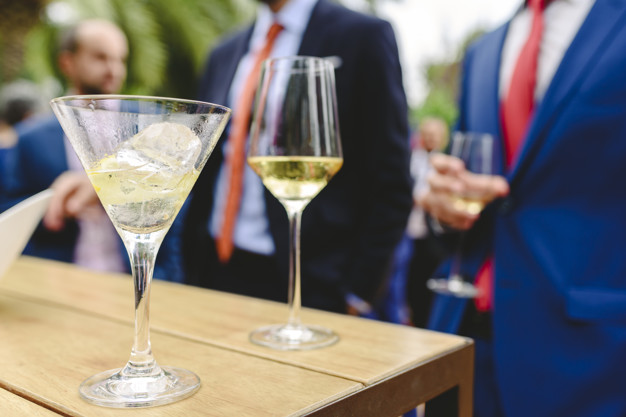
(559, 322)
(36, 161)
(351, 228)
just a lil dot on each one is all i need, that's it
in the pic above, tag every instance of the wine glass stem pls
(142, 249)
(455, 268)
(294, 297)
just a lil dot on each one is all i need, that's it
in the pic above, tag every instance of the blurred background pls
(169, 41)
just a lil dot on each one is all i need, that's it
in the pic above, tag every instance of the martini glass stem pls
(142, 249)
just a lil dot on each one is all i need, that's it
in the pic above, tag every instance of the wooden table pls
(60, 324)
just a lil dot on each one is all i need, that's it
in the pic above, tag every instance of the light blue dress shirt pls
(252, 231)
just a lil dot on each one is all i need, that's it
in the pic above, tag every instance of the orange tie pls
(516, 111)
(236, 141)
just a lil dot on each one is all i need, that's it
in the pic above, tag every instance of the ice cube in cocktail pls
(144, 182)
(172, 145)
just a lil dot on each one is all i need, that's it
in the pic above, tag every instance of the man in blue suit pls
(92, 56)
(351, 228)
(553, 339)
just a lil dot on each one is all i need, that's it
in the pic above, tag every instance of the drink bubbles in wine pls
(469, 205)
(295, 177)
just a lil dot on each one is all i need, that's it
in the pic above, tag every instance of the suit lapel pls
(310, 39)
(51, 152)
(579, 59)
(229, 66)
(482, 106)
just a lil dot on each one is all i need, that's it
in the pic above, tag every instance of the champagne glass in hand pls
(142, 156)
(475, 150)
(295, 149)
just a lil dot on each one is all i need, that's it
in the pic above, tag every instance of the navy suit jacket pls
(350, 229)
(36, 161)
(559, 320)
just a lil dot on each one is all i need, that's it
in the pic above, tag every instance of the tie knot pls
(537, 5)
(273, 31)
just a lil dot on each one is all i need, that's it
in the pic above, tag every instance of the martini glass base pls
(453, 287)
(293, 337)
(114, 389)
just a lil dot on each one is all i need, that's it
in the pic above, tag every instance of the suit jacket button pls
(506, 206)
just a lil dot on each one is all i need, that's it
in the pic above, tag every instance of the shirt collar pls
(294, 16)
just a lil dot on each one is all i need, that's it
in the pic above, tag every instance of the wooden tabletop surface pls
(60, 324)
(14, 405)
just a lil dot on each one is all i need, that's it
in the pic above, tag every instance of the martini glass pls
(295, 149)
(476, 151)
(142, 155)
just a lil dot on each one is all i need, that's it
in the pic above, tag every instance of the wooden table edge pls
(37, 399)
(405, 390)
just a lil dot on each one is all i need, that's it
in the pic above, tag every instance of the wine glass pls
(295, 149)
(476, 151)
(142, 156)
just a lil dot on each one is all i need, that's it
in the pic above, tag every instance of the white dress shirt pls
(420, 169)
(252, 231)
(562, 20)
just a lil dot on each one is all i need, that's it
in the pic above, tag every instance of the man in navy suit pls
(552, 340)
(351, 228)
(92, 56)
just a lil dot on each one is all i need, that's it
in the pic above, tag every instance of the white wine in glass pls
(471, 205)
(295, 149)
(295, 180)
(476, 151)
(142, 155)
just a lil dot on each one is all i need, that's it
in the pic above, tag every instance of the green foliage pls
(40, 54)
(168, 41)
(187, 43)
(439, 103)
(443, 78)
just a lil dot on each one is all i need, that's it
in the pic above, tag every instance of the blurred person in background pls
(420, 252)
(406, 299)
(349, 231)
(549, 323)
(92, 56)
(19, 100)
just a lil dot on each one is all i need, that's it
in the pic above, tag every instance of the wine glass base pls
(290, 337)
(456, 288)
(113, 389)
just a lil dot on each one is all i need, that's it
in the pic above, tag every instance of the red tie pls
(517, 107)
(516, 111)
(236, 141)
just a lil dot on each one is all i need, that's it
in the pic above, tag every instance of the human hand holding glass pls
(464, 186)
(142, 156)
(295, 149)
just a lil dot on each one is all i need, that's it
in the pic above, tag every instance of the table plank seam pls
(29, 396)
